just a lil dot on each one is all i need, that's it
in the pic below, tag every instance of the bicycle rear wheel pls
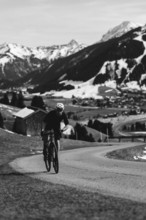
(48, 159)
(55, 158)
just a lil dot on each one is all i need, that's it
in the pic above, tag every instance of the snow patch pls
(111, 83)
(4, 60)
(88, 91)
(19, 51)
(133, 85)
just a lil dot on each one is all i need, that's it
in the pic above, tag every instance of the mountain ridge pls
(115, 62)
(16, 61)
(120, 29)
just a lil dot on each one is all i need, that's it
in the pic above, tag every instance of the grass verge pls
(128, 154)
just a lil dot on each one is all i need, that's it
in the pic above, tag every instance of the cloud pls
(62, 20)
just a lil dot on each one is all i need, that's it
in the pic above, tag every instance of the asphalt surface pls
(89, 169)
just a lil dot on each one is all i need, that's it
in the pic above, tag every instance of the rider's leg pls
(57, 139)
(46, 142)
(58, 144)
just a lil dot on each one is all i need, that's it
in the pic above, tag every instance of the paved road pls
(89, 169)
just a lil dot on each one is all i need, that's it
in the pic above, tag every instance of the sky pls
(35, 23)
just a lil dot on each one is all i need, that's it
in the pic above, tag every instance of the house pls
(29, 121)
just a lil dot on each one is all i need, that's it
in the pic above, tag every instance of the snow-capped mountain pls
(115, 62)
(119, 62)
(119, 30)
(17, 61)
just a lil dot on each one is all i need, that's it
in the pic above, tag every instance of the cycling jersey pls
(53, 120)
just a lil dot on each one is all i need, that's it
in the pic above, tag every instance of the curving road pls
(89, 169)
(117, 126)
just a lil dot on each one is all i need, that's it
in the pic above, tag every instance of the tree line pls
(81, 133)
(137, 126)
(16, 99)
(105, 128)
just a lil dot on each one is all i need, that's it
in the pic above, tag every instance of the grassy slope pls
(96, 134)
(128, 153)
(22, 197)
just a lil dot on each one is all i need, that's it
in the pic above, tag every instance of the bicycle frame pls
(51, 152)
(51, 137)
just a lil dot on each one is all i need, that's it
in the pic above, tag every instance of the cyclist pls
(53, 121)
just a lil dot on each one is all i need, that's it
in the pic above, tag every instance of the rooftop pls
(24, 112)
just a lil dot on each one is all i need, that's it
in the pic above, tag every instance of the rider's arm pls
(66, 122)
(43, 126)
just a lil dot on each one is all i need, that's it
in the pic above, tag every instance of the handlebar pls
(50, 132)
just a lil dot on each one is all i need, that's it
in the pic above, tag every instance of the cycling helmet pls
(60, 106)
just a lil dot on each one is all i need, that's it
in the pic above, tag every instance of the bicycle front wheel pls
(48, 159)
(55, 158)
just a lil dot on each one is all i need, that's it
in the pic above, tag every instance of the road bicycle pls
(51, 152)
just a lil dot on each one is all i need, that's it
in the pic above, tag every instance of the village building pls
(29, 121)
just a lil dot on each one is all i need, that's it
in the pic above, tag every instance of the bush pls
(82, 134)
(105, 128)
(38, 102)
(144, 37)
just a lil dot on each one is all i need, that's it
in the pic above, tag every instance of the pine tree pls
(14, 101)
(5, 99)
(38, 102)
(20, 100)
(90, 123)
